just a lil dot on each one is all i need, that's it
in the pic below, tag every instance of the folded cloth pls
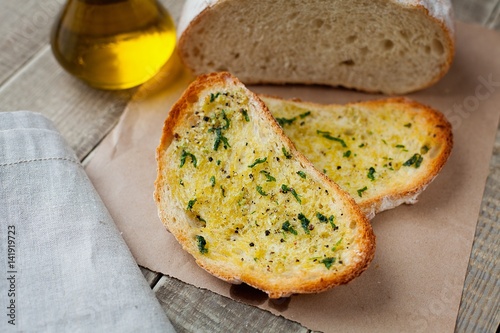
(64, 266)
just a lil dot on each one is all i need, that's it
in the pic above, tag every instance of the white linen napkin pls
(63, 265)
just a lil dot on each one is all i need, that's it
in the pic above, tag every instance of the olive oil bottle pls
(113, 44)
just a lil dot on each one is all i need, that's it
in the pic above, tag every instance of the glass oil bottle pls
(113, 44)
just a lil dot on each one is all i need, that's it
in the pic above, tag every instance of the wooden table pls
(30, 79)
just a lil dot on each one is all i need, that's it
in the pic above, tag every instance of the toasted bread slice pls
(249, 207)
(383, 153)
(389, 46)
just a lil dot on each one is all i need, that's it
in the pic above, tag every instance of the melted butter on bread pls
(383, 153)
(247, 205)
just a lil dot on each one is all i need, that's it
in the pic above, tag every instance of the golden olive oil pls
(113, 44)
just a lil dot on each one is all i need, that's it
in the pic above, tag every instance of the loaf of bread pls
(238, 196)
(383, 153)
(388, 46)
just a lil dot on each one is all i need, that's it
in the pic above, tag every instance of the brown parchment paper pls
(415, 281)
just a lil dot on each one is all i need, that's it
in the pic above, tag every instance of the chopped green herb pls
(288, 228)
(305, 114)
(181, 182)
(337, 244)
(191, 204)
(360, 191)
(219, 138)
(245, 115)
(328, 262)
(371, 173)
(258, 161)
(285, 121)
(212, 181)
(408, 125)
(202, 244)
(304, 222)
(400, 146)
(201, 219)
(261, 191)
(268, 176)
(361, 145)
(385, 142)
(328, 136)
(228, 122)
(186, 154)
(424, 149)
(302, 174)
(218, 162)
(330, 219)
(419, 161)
(223, 191)
(322, 218)
(286, 189)
(213, 97)
(415, 160)
(347, 153)
(388, 166)
(286, 153)
(296, 196)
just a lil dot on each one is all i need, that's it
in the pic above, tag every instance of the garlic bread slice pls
(248, 206)
(383, 153)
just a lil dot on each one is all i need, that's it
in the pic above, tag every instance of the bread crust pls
(412, 191)
(437, 11)
(408, 194)
(168, 213)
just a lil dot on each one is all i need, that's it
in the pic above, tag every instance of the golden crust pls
(365, 240)
(444, 134)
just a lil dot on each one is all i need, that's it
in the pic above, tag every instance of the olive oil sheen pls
(113, 44)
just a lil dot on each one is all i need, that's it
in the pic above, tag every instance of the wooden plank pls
(474, 11)
(151, 277)
(480, 305)
(494, 19)
(82, 114)
(195, 310)
(25, 27)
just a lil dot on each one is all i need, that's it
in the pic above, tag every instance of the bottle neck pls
(102, 17)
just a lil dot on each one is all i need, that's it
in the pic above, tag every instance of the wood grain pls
(150, 276)
(31, 79)
(482, 12)
(480, 306)
(82, 114)
(24, 27)
(195, 310)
